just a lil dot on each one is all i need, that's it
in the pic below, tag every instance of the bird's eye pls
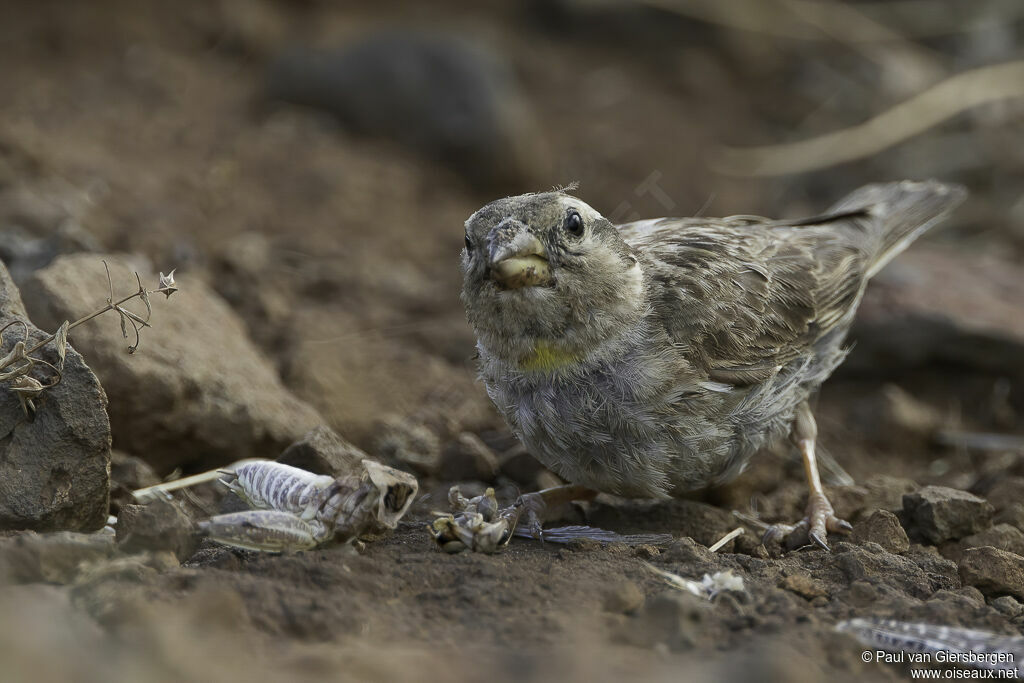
(574, 223)
(469, 245)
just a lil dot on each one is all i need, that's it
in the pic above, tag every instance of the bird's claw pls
(813, 528)
(532, 506)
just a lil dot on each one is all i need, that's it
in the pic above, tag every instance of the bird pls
(658, 357)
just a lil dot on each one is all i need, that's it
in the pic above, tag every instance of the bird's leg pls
(534, 505)
(820, 517)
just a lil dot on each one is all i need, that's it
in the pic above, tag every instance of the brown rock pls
(804, 586)
(624, 598)
(928, 306)
(881, 527)
(197, 392)
(994, 572)
(52, 558)
(156, 526)
(939, 514)
(1002, 536)
(53, 464)
(468, 457)
(405, 441)
(324, 451)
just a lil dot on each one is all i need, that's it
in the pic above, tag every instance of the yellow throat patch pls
(548, 358)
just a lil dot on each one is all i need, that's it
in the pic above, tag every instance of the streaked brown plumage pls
(659, 356)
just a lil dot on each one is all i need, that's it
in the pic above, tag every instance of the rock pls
(157, 526)
(687, 551)
(1002, 536)
(436, 94)
(896, 415)
(994, 572)
(408, 442)
(378, 374)
(128, 474)
(940, 514)
(674, 619)
(518, 465)
(882, 527)
(52, 558)
(928, 307)
(624, 598)
(468, 457)
(197, 392)
(870, 562)
(703, 523)
(942, 572)
(1006, 494)
(40, 220)
(324, 451)
(804, 586)
(886, 493)
(1008, 606)
(54, 465)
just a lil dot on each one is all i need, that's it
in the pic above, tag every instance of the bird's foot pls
(813, 528)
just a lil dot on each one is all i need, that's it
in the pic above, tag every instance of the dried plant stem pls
(907, 119)
(113, 305)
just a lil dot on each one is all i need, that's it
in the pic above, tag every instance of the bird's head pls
(547, 279)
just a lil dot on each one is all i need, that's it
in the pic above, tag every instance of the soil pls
(145, 122)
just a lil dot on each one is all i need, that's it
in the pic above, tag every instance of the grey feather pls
(663, 354)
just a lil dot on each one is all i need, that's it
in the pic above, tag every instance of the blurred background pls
(313, 163)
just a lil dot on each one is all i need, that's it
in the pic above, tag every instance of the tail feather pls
(898, 213)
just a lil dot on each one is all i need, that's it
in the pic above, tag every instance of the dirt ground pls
(149, 123)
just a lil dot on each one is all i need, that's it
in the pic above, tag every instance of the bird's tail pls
(898, 213)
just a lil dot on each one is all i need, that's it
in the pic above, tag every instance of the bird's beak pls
(520, 262)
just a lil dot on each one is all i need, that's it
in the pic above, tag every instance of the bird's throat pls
(546, 357)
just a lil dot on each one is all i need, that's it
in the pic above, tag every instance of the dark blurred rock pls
(882, 527)
(688, 552)
(324, 451)
(197, 392)
(994, 572)
(249, 278)
(1006, 494)
(704, 523)
(128, 474)
(940, 514)
(160, 525)
(405, 441)
(448, 100)
(1002, 536)
(41, 221)
(54, 463)
(897, 415)
(468, 458)
(624, 598)
(1008, 606)
(52, 558)
(518, 465)
(674, 619)
(131, 472)
(931, 305)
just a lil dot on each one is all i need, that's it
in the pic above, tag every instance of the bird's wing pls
(745, 295)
